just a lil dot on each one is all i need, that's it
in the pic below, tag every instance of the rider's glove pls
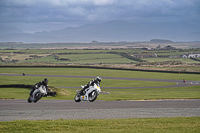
(36, 86)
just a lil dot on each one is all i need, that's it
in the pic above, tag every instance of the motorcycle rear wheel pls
(93, 96)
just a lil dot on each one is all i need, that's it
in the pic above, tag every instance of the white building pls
(191, 55)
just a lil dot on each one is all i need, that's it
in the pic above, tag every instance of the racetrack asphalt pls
(68, 109)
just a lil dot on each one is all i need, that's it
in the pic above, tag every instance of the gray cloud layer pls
(77, 12)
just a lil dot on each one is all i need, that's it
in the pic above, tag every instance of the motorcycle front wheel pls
(37, 97)
(93, 96)
(77, 98)
(29, 100)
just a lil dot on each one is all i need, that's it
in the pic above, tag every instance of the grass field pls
(120, 58)
(73, 58)
(99, 72)
(76, 82)
(115, 94)
(47, 59)
(98, 56)
(135, 125)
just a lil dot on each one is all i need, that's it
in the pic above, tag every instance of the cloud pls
(55, 11)
(87, 8)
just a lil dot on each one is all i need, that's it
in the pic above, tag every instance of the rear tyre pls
(77, 98)
(93, 96)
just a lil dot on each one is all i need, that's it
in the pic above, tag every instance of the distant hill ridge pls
(117, 30)
(160, 41)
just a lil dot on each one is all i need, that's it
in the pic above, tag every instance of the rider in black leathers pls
(37, 85)
(91, 83)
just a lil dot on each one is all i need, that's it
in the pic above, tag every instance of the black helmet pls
(46, 80)
(98, 78)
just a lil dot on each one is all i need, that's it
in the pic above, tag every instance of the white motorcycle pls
(91, 93)
(38, 94)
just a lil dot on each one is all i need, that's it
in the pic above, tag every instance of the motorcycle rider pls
(91, 83)
(37, 85)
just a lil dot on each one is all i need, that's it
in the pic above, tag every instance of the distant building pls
(158, 47)
(144, 49)
(193, 55)
(169, 47)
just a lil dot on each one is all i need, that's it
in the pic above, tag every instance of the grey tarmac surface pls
(68, 109)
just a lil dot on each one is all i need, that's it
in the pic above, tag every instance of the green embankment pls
(133, 125)
(115, 94)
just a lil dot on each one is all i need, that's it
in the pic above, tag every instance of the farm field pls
(185, 60)
(121, 58)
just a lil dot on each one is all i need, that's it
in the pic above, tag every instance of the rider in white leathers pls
(37, 85)
(91, 83)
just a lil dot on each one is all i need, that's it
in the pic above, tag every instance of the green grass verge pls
(116, 94)
(14, 93)
(133, 125)
(63, 93)
(99, 72)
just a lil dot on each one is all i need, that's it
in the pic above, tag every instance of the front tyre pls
(93, 96)
(37, 97)
(29, 100)
(77, 98)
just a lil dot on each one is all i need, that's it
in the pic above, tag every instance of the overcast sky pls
(45, 15)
